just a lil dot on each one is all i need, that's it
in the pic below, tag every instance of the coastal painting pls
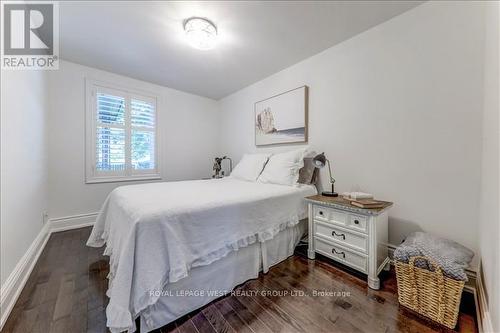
(282, 118)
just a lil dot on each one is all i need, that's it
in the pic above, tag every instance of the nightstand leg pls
(374, 283)
(373, 280)
(311, 254)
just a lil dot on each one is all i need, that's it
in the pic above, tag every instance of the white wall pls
(188, 138)
(489, 228)
(24, 105)
(397, 109)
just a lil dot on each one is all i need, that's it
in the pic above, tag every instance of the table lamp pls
(230, 164)
(320, 161)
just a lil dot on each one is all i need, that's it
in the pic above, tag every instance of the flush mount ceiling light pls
(200, 33)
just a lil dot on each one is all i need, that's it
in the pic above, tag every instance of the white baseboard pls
(390, 250)
(72, 222)
(484, 321)
(16, 281)
(14, 284)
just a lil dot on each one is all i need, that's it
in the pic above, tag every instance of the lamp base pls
(329, 194)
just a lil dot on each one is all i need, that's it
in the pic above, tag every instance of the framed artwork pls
(282, 118)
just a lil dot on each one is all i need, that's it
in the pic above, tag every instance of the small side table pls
(356, 237)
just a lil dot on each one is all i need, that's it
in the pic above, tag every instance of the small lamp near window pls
(230, 164)
(320, 161)
(218, 166)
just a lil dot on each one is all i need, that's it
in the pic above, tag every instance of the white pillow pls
(250, 166)
(283, 168)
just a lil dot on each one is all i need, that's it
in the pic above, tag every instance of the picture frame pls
(282, 118)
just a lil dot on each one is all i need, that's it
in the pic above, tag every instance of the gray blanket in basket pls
(451, 256)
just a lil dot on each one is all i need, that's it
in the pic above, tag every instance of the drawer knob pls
(321, 213)
(341, 253)
(356, 221)
(340, 235)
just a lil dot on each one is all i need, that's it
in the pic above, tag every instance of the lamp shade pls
(319, 160)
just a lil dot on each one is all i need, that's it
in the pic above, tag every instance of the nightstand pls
(353, 236)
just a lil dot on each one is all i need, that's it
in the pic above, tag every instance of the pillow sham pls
(250, 166)
(283, 168)
(308, 174)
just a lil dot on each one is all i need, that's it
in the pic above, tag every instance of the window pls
(121, 134)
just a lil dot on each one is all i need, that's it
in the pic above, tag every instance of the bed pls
(203, 237)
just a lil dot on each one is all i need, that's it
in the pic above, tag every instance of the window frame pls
(92, 87)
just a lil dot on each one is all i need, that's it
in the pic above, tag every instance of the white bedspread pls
(155, 233)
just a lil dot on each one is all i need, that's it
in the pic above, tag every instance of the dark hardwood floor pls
(66, 293)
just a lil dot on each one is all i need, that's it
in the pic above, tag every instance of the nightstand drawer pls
(356, 241)
(357, 222)
(328, 214)
(341, 254)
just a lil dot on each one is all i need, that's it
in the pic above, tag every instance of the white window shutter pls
(124, 135)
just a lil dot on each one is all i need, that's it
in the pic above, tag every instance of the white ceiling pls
(144, 40)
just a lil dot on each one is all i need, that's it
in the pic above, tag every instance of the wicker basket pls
(431, 294)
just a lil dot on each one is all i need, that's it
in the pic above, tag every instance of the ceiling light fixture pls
(200, 33)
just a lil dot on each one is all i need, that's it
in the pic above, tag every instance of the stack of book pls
(367, 203)
(356, 195)
(363, 200)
